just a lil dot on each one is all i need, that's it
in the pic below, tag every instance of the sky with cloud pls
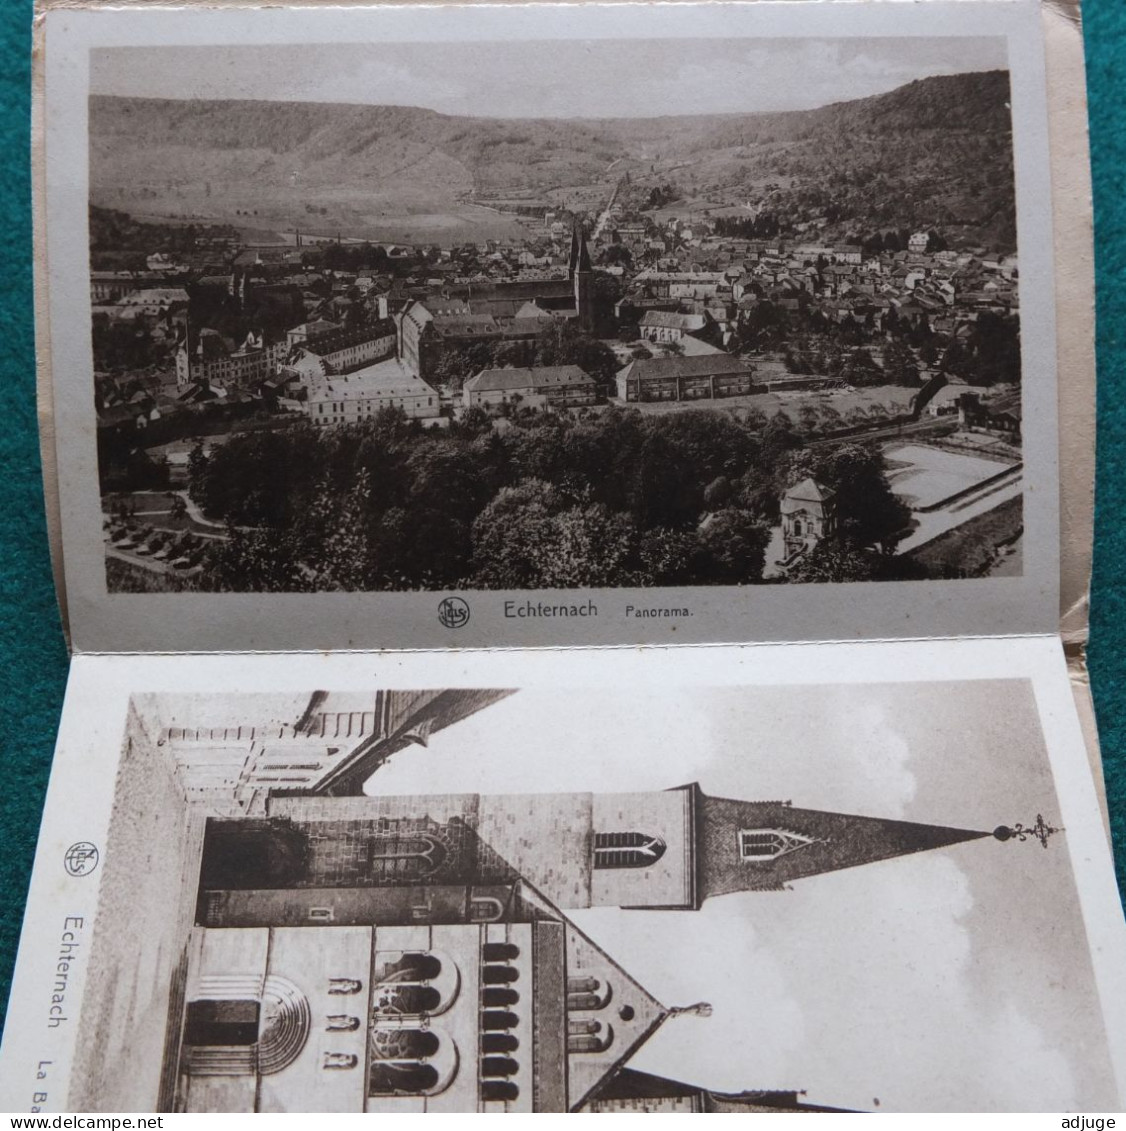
(941, 981)
(558, 79)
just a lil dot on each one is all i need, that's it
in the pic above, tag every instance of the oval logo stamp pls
(453, 612)
(81, 858)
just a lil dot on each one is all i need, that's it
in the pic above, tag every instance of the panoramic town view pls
(373, 331)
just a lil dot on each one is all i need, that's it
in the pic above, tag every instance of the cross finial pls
(1040, 831)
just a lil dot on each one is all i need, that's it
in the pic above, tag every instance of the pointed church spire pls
(579, 259)
(582, 276)
(764, 845)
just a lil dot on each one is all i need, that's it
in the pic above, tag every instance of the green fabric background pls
(34, 659)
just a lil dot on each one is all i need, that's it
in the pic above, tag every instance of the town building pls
(152, 302)
(808, 515)
(561, 386)
(661, 326)
(1000, 415)
(703, 377)
(322, 352)
(109, 286)
(212, 361)
(431, 329)
(351, 397)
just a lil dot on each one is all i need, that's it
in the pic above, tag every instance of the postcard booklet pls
(573, 525)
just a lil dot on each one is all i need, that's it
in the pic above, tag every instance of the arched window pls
(497, 997)
(493, 1020)
(494, 974)
(627, 850)
(407, 1060)
(500, 952)
(596, 997)
(499, 1066)
(499, 1090)
(499, 1042)
(413, 983)
(769, 844)
(590, 1042)
(410, 1079)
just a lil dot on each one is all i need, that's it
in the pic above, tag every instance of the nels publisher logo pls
(81, 858)
(453, 612)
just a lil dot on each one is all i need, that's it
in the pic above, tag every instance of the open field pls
(444, 224)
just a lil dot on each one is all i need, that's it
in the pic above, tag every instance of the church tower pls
(662, 850)
(765, 845)
(582, 278)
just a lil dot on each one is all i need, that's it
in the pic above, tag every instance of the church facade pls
(410, 954)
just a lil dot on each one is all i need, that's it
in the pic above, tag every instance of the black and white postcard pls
(522, 324)
(661, 880)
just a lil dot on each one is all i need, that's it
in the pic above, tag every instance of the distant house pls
(918, 242)
(154, 302)
(557, 385)
(661, 326)
(808, 515)
(109, 286)
(307, 330)
(1001, 415)
(706, 377)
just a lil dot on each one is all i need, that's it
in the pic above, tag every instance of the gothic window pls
(627, 850)
(405, 857)
(769, 844)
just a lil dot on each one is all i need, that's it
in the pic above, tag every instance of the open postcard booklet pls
(568, 519)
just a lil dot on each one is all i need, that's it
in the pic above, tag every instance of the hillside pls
(937, 151)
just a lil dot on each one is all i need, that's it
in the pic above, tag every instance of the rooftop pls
(496, 380)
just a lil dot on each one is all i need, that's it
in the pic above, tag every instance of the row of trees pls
(618, 498)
